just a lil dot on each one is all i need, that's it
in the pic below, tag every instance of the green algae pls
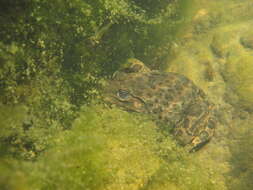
(113, 149)
(247, 40)
(215, 52)
(220, 44)
(14, 178)
(241, 143)
(239, 76)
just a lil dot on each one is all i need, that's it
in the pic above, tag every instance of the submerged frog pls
(170, 98)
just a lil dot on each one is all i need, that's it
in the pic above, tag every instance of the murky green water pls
(55, 57)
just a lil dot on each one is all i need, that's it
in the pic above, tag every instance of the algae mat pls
(215, 50)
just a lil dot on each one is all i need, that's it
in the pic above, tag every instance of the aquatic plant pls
(241, 146)
(113, 149)
(239, 76)
(54, 55)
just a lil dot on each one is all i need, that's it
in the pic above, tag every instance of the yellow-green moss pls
(11, 118)
(109, 149)
(247, 39)
(241, 146)
(196, 62)
(106, 149)
(220, 44)
(238, 72)
(11, 177)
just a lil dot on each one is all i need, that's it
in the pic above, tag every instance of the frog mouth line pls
(125, 105)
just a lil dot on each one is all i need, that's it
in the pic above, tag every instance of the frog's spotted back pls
(169, 98)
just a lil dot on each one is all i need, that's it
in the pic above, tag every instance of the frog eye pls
(123, 94)
(134, 68)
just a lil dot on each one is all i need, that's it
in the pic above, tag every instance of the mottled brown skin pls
(169, 98)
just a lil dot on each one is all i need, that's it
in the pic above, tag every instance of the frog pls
(170, 99)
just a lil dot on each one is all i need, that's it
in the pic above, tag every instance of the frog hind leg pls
(197, 144)
(199, 141)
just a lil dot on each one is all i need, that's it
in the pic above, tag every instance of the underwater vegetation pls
(55, 132)
(129, 152)
(241, 174)
(54, 56)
